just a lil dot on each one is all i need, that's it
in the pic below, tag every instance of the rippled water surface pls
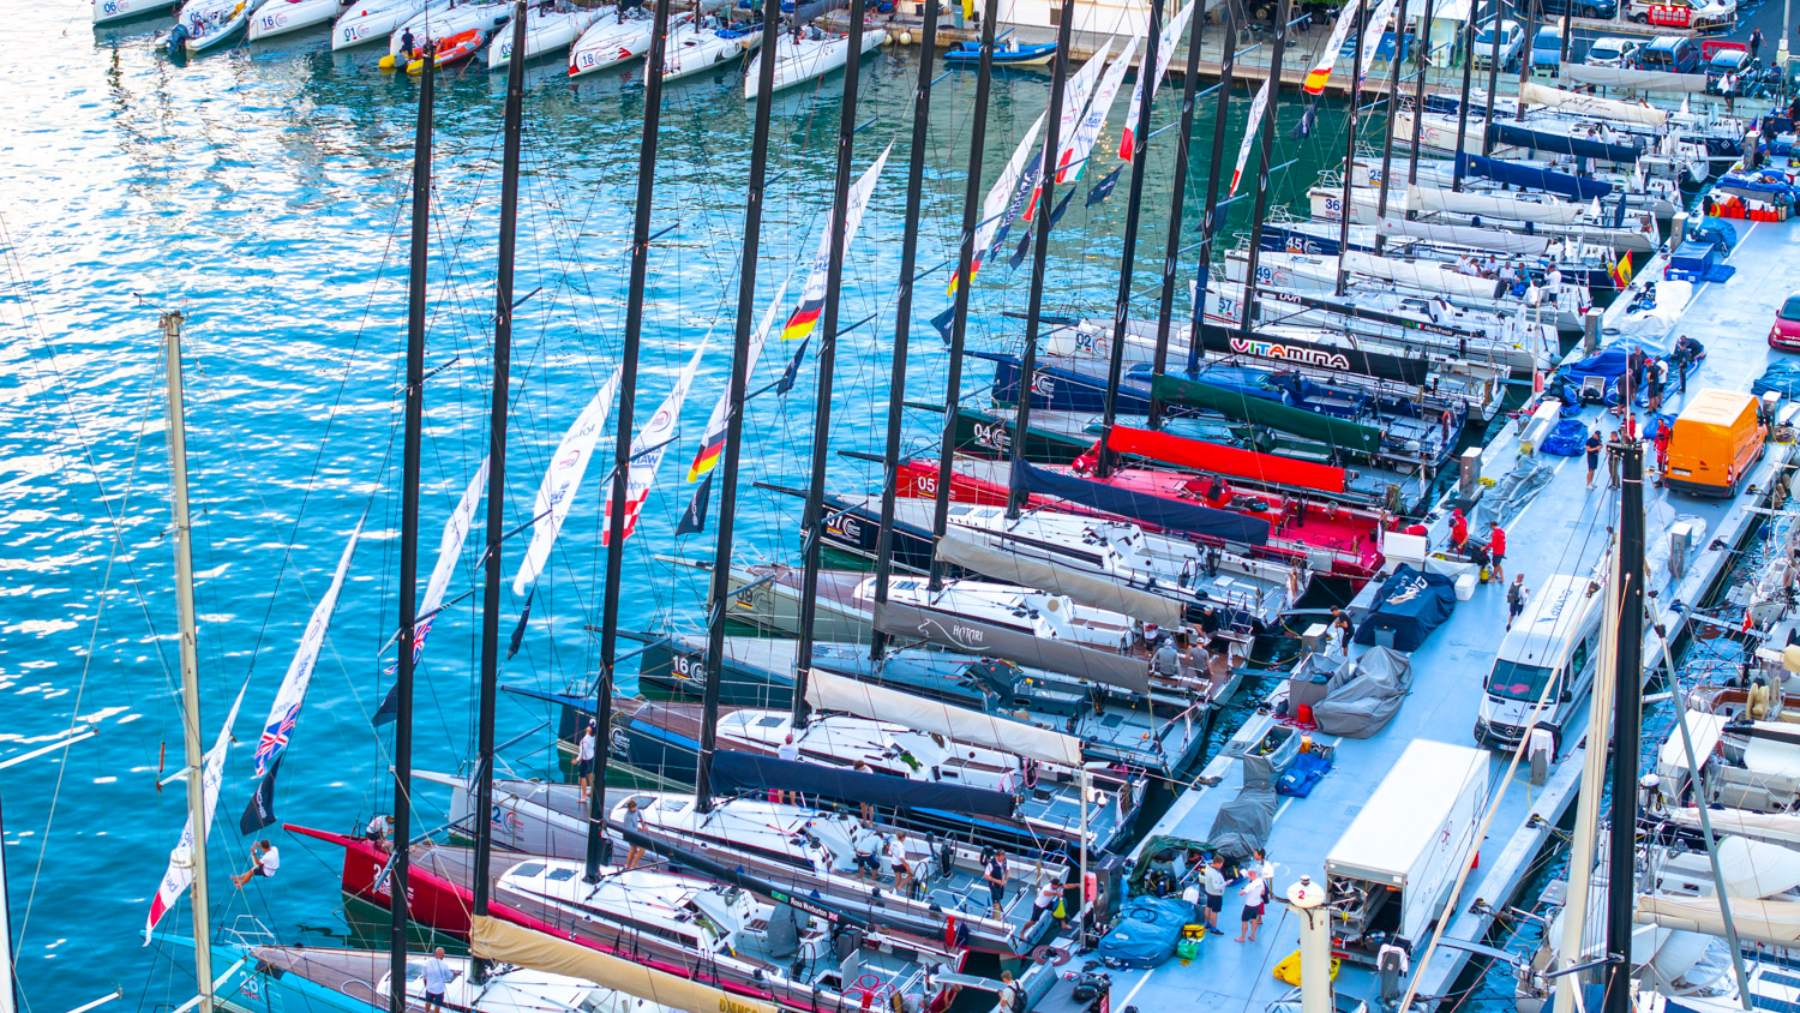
(262, 191)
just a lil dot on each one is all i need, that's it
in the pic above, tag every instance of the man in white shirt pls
(1255, 894)
(584, 759)
(437, 979)
(265, 860)
(789, 750)
(868, 847)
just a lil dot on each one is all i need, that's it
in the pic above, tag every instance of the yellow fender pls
(1288, 970)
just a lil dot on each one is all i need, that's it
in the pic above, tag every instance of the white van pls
(1556, 642)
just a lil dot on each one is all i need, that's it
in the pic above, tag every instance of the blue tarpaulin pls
(1174, 515)
(736, 772)
(1409, 605)
(1531, 177)
(1568, 438)
(1147, 931)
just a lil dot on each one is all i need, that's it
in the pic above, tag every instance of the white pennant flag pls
(1256, 117)
(1165, 48)
(1372, 37)
(1321, 70)
(285, 711)
(812, 297)
(1000, 197)
(450, 546)
(557, 493)
(1075, 103)
(647, 451)
(1074, 156)
(180, 873)
(712, 441)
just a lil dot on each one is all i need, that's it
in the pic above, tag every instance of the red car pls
(1785, 334)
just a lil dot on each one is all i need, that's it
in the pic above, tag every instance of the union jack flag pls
(275, 738)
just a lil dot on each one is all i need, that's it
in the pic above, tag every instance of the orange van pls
(1718, 437)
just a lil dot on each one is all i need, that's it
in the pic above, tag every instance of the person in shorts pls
(584, 758)
(265, 859)
(1212, 880)
(994, 872)
(1256, 895)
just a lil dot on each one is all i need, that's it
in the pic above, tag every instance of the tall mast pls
(496, 477)
(1115, 366)
(1393, 107)
(1209, 220)
(409, 535)
(190, 660)
(599, 846)
(734, 425)
(1344, 207)
(1526, 56)
(834, 285)
(1462, 105)
(965, 257)
(1047, 164)
(1165, 309)
(909, 259)
(1268, 158)
(1628, 691)
(1493, 81)
(9, 983)
(1419, 68)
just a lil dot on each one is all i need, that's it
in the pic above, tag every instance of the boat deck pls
(1561, 528)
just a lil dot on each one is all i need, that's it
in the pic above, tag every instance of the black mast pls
(1462, 106)
(1628, 673)
(1525, 58)
(599, 845)
(909, 259)
(1393, 109)
(834, 284)
(734, 424)
(1209, 221)
(1419, 65)
(965, 257)
(1046, 202)
(1493, 82)
(1268, 158)
(513, 132)
(1345, 208)
(1165, 309)
(409, 533)
(1115, 366)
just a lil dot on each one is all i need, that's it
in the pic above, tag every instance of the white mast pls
(190, 657)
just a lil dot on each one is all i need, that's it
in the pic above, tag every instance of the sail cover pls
(1492, 205)
(1165, 49)
(1409, 606)
(1243, 824)
(1612, 109)
(1783, 828)
(1466, 235)
(1427, 275)
(1632, 79)
(1085, 588)
(1340, 30)
(647, 451)
(1364, 694)
(497, 940)
(563, 479)
(736, 773)
(828, 692)
(1233, 462)
(812, 297)
(1261, 411)
(1251, 125)
(1531, 177)
(972, 636)
(1158, 511)
(180, 873)
(1557, 143)
(1074, 156)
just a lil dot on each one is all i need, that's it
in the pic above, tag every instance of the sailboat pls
(610, 41)
(810, 53)
(283, 17)
(547, 29)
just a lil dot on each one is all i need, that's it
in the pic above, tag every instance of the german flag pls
(707, 459)
(803, 321)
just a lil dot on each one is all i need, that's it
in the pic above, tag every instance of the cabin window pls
(561, 875)
(529, 869)
(770, 721)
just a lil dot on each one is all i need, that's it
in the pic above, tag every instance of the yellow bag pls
(1288, 971)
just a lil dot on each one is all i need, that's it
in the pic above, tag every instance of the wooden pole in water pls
(909, 259)
(1165, 307)
(409, 533)
(814, 521)
(599, 845)
(1209, 221)
(1046, 203)
(513, 135)
(190, 657)
(734, 426)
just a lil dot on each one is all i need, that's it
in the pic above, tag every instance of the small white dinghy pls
(368, 21)
(611, 41)
(693, 49)
(444, 22)
(813, 55)
(547, 29)
(118, 10)
(206, 24)
(279, 17)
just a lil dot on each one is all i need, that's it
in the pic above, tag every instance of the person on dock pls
(1615, 450)
(1259, 860)
(1339, 615)
(1497, 549)
(994, 873)
(1212, 881)
(584, 759)
(1255, 894)
(1593, 455)
(265, 861)
(1515, 594)
(1049, 898)
(634, 822)
(1008, 999)
(437, 980)
(1755, 42)
(1459, 530)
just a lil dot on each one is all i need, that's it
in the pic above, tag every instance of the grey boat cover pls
(973, 636)
(1364, 694)
(1243, 823)
(1086, 588)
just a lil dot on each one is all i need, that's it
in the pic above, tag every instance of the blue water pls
(262, 192)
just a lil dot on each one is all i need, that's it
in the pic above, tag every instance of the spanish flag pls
(1621, 271)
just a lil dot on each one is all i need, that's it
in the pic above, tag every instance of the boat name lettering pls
(1043, 384)
(993, 434)
(844, 526)
(1277, 350)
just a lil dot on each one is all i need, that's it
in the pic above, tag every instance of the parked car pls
(1605, 10)
(1546, 47)
(1612, 51)
(1512, 44)
(1785, 332)
(1698, 15)
(1671, 53)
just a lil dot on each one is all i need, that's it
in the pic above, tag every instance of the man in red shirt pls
(1497, 549)
(1459, 530)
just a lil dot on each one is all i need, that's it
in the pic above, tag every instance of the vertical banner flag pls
(1075, 154)
(1256, 117)
(180, 873)
(1165, 48)
(647, 451)
(450, 546)
(712, 441)
(1000, 198)
(1372, 33)
(1074, 110)
(1321, 70)
(557, 493)
(812, 297)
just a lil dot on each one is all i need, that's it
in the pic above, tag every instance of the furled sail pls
(1770, 922)
(180, 873)
(1471, 236)
(1612, 109)
(1074, 155)
(1075, 103)
(557, 493)
(1320, 73)
(1165, 49)
(973, 636)
(828, 692)
(1493, 205)
(1085, 588)
(812, 297)
(647, 450)
(997, 208)
(1251, 126)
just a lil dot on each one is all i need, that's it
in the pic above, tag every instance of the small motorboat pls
(813, 55)
(279, 17)
(443, 23)
(547, 29)
(1006, 54)
(118, 10)
(206, 24)
(613, 40)
(694, 48)
(370, 20)
(452, 49)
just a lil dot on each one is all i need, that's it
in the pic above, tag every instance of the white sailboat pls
(612, 40)
(369, 21)
(546, 31)
(694, 48)
(813, 54)
(280, 17)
